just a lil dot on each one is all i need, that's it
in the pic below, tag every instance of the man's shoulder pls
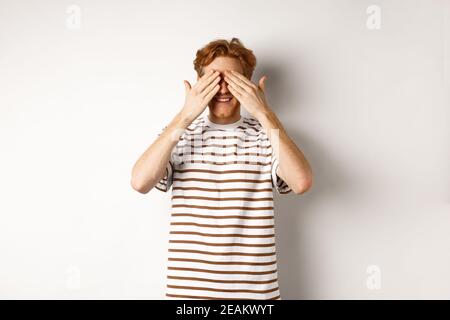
(251, 123)
(197, 123)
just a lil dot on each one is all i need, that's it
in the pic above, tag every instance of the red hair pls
(225, 48)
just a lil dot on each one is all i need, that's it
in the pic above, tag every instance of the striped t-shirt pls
(222, 232)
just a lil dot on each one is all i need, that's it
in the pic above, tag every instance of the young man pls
(223, 168)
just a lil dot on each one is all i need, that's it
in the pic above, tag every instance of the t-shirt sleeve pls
(166, 181)
(280, 185)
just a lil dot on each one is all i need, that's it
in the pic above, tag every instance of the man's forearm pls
(293, 168)
(151, 166)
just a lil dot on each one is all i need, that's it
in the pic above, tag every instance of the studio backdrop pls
(362, 87)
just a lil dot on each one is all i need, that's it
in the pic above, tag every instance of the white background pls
(369, 108)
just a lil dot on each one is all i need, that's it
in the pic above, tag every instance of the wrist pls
(264, 114)
(182, 120)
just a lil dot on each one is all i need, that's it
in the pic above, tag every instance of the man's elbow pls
(303, 186)
(139, 186)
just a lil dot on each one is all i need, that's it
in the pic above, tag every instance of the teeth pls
(223, 100)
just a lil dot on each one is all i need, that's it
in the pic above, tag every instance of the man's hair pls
(225, 48)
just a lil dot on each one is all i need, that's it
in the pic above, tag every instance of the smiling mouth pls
(223, 99)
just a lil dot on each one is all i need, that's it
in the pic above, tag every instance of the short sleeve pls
(166, 182)
(280, 185)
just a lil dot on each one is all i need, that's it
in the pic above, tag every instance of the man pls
(223, 168)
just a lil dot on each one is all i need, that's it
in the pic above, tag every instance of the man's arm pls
(293, 167)
(151, 165)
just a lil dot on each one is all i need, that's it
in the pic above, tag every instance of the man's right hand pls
(198, 96)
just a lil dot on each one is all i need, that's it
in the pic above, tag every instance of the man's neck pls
(232, 119)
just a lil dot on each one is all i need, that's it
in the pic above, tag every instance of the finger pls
(243, 79)
(235, 92)
(237, 88)
(261, 84)
(235, 80)
(210, 87)
(204, 82)
(202, 78)
(236, 95)
(212, 93)
(187, 86)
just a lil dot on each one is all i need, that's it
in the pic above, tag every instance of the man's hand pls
(251, 96)
(198, 96)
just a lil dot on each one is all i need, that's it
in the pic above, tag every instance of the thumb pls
(187, 86)
(262, 84)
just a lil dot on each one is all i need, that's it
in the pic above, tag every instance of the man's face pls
(224, 104)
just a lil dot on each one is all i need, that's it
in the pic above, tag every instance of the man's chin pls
(221, 109)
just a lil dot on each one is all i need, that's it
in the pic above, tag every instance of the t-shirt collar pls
(229, 126)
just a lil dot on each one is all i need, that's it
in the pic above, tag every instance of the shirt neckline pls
(229, 126)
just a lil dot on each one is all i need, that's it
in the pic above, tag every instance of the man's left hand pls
(250, 95)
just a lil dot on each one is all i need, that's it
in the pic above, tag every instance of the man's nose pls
(223, 85)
